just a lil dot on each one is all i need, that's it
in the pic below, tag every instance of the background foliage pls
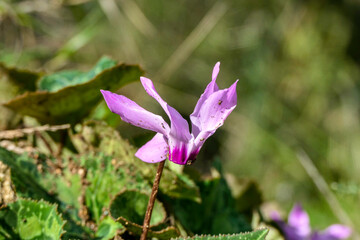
(298, 95)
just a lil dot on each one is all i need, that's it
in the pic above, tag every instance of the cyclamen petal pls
(132, 113)
(334, 232)
(289, 232)
(176, 141)
(298, 227)
(213, 113)
(299, 220)
(217, 108)
(200, 140)
(210, 88)
(215, 72)
(179, 126)
(155, 150)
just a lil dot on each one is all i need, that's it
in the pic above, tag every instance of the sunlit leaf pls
(59, 80)
(71, 103)
(33, 220)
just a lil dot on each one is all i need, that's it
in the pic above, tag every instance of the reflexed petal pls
(155, 150)
(216, 71)
(299, 220)
(201, 138)
(215, 110)
(211, 88)
(132, 113)
(334, 232)
(179, 126)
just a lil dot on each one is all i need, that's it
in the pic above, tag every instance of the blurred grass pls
(297, 61)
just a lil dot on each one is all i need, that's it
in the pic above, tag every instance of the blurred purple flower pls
(176, 142)
(298, 227)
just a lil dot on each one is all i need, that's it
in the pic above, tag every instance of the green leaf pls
(108, 228)
(13, 81)
(72, 103)
(136, 229)
(256, 235)
(57, 81)
(25, 79)
(132, 205)
(174, 184)
(33, 220)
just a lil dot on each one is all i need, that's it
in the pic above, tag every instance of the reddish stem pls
(150, 206)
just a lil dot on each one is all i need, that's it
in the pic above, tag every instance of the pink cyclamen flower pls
(176, 141)
(298, 227)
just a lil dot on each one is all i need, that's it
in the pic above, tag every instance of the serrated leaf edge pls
(48, 203)
(223, 235)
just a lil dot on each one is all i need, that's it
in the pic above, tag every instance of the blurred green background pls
(298, 94)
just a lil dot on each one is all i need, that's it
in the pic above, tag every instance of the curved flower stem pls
(150, 206)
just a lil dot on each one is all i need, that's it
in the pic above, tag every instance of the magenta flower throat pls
(176, 142)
